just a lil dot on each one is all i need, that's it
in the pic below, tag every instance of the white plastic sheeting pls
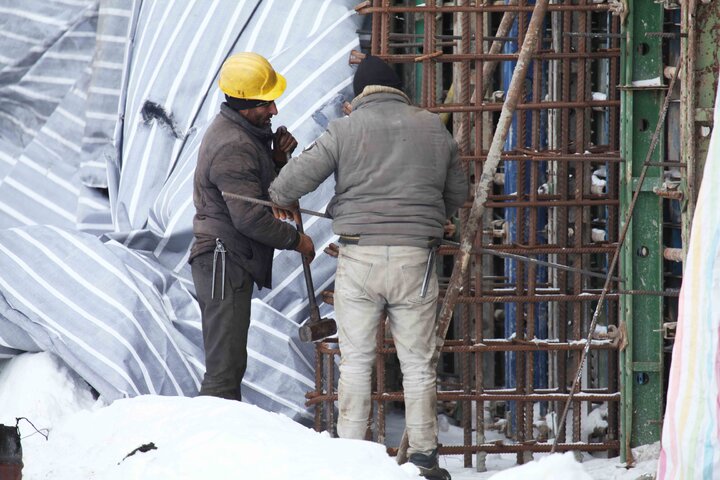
(103, 105)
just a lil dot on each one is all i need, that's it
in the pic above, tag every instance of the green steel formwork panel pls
(642, 253)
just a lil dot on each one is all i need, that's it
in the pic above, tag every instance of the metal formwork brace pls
(641, 256)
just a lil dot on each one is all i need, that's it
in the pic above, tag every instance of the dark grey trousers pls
(225, 323)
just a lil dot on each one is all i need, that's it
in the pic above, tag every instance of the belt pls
(355, 240)
(349, 239)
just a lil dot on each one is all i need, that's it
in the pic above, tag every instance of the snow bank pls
(556, 466)
(40, 387)
(200, 437)
(217, 439)
(194, 438)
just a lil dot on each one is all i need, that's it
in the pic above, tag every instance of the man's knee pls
(420, 381)
(356, 362)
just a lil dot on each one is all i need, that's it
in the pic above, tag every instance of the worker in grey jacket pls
(235, 240)
(397, 180)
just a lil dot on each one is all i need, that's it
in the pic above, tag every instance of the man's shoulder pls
(223, 132)
(223, 141)
(221, 125)
(339, 123)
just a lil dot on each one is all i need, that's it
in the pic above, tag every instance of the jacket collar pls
(263, 134)
(379, 92)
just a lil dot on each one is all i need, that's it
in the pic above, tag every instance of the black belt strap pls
(355, 240)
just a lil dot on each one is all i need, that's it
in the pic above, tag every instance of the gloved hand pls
(283, 145)
(306, 247)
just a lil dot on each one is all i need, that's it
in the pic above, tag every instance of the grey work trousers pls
(370, 279)
(225, 323)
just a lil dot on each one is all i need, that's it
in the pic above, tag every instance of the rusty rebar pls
(484, 184)
(481, 8)
(497, 106)
(511, 395)
(443, 57)
(623, 234)
(575, 252)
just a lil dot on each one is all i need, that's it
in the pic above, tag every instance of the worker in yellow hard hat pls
(234, 239)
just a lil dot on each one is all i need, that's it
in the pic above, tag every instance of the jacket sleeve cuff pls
(295, 242)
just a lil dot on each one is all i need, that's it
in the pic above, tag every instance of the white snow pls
(598, 235)
(650, 82)
(216, 439)
(37, 386)
(562, 465)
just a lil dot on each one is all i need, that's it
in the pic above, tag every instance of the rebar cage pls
(519, 326)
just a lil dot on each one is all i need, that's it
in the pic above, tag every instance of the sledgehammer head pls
(314, 331)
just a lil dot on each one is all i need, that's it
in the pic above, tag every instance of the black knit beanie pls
(243, 104)
(373, 71)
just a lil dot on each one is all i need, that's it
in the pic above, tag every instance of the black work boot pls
(428, 465)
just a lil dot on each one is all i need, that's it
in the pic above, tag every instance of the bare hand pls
(306, 247)
(283, 145)
(449, 229)
(286, 212)
(333, 250)
(347, 108)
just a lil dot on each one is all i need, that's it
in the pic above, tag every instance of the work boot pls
(428, 465)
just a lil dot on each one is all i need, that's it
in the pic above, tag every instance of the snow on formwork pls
(691, 428)
(103, 105)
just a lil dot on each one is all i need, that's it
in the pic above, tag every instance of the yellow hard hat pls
(250, 76)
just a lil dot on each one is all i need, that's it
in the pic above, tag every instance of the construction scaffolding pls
(550, 230)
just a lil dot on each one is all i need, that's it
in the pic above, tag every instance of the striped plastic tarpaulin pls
(691, 429)
(103, 105)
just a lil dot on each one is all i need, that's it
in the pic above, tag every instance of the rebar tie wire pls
(616, 255)
(37, 430)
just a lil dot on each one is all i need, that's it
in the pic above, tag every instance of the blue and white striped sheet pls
(96, 197)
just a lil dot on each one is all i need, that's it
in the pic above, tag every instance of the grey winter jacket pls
(396, 168)
(235, 157)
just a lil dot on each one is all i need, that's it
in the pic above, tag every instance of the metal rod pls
(534, 261)
(431, 9)
(540, 54)
(271, 204)
(593, 35)
(445, 242)
(496, 106)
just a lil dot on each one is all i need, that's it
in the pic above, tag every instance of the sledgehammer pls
(316, 328)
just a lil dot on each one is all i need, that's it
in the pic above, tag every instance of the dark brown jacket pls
(235, 157)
